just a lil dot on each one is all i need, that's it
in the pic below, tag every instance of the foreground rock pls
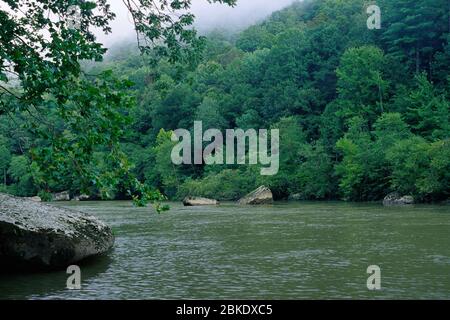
(262, 195)
(36, 236)
(395, 199)
(61, 196)
(192, 202)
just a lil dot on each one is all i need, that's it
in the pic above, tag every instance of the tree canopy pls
(361, 112)
(69, 113)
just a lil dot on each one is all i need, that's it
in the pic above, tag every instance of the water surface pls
(292, 250)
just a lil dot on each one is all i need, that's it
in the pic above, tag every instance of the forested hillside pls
(361, 112)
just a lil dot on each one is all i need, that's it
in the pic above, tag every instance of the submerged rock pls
(395, 199)
(36, 236)
(262, 195)
(61, 196)
(192, 202)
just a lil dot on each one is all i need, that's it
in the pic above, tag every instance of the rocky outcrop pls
(195, 201)
(262, 195)
(36, 236)
(61, 196)
(395, 199)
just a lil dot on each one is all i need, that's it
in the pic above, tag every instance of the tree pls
(346, 99)
(41, 46)
(352, 170)
(409, 161)
(421, 168)
(316, 173)
(5, 159)
(292, 142)
(361, 84)
(20, 173)
(425, 108)
(168, 172)
(428, 111)
(414, 29)
(209, 113)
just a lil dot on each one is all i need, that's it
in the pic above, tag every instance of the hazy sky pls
(208, 16)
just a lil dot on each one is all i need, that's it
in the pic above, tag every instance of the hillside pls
(361, 112)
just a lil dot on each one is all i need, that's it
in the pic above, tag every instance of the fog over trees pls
(208, 17)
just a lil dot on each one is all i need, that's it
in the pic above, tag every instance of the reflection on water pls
(286, 251)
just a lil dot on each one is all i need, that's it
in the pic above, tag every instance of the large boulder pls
(192, 202)
(61, 196)
(36, 236)
(262, 195)
(395, 199)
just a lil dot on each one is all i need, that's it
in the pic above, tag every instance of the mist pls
(208, 17)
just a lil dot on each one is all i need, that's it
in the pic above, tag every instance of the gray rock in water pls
(262, 195)
(36, 236)
(395, 199)
(195, 201)
(61, 196)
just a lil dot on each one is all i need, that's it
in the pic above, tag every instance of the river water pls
(295, 250)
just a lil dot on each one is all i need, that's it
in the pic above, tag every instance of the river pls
(295, 250)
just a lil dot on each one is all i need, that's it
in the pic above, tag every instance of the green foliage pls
(364, 169)
(73, 117)
(292, 143)
(421, 168)
(167, 22)
(361, 112)
(361, 87)
(409, 159)
(427, 111)
(21, 175)
(5, 159)
(415, 29)
(45, 196)
(316, 177)
(168, 172)
(225, 185)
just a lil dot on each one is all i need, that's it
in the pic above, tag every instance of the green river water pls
(295, 250)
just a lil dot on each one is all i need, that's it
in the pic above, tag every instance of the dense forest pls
(361, 112)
